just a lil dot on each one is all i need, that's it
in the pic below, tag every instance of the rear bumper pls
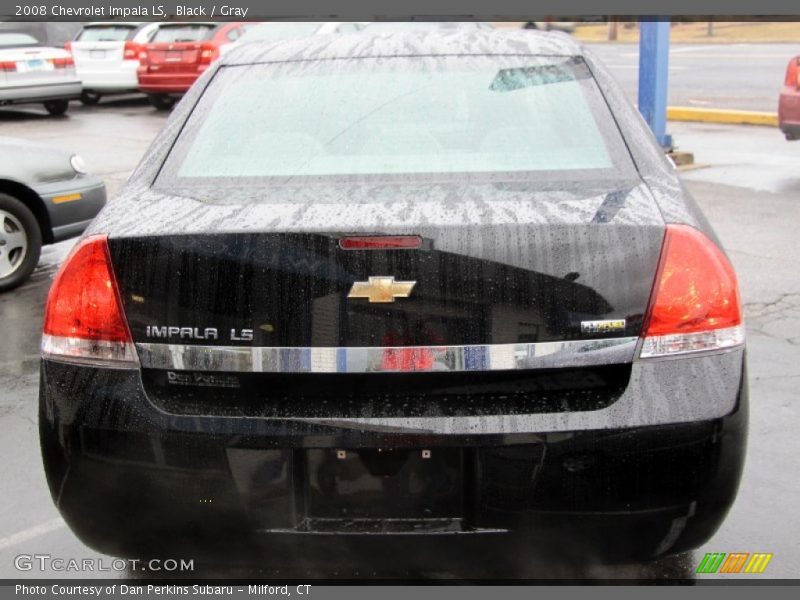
(118, 80)
(166, 83)
(66, 90)
(789, 112)
(130, 480)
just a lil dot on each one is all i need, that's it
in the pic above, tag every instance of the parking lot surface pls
(729, 76)
(749, 187)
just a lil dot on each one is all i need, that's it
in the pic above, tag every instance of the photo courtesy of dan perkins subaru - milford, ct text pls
(159, 590)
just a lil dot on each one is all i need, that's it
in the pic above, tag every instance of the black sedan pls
(46, 196)
(436, 292)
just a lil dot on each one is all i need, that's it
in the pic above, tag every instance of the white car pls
(107, 55)
(31, 73)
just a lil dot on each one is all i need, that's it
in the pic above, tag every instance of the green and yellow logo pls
(734, 562)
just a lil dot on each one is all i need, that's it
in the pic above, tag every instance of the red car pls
(178, 54)
(789, 103)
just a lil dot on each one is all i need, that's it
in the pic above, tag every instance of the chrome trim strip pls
(489, 357)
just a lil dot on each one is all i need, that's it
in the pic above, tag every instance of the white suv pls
(107, 55)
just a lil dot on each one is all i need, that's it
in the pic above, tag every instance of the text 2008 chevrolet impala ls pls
(436, 291)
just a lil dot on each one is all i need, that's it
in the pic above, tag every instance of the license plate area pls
(409, 490)
(375, 483)
(33, 66)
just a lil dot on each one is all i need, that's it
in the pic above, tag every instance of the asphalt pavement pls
(729, 76)
(750, 190)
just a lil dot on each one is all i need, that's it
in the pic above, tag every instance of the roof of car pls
(361, 45)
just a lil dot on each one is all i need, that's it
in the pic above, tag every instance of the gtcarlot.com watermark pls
(50, 563)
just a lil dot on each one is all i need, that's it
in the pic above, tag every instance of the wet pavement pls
(750, 190)
(730, 76)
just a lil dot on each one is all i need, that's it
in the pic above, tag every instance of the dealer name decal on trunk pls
(607, 326)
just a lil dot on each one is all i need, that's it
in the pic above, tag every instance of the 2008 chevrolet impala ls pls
(437, 291)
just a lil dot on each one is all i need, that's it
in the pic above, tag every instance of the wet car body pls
(259, 402)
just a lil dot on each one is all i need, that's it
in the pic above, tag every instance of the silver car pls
(46, 196)
(31, 73)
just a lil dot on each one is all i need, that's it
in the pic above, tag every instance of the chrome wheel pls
(13, 244)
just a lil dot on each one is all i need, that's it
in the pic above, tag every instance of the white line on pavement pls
(33, 532)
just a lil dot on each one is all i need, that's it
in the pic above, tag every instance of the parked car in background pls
(106, 57)
(31, 73)
(789, 101)
(551, 24)
(274, 31)
(46, 196)
(177, 55)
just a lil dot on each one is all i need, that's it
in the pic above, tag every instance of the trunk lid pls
(521, 275)
(243, 310)
(101, 55)
(173, 57)
(36, 65)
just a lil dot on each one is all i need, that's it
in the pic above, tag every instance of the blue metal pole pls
(653, 67)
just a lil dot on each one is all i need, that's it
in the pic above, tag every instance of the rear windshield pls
(449, 116)
(183, 33)
(13, 39)
(106, 33)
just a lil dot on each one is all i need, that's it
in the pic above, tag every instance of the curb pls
(718, 115)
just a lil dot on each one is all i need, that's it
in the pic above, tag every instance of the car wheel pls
(161, 101)
(56, 107)
(20, 242)
(90, 98)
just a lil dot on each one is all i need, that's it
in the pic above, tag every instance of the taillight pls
(130, 51)
(83, 320)
(695, 303)
(143, 57)
(793, 73)
(62, 63)
(8, 66)
(209, 52)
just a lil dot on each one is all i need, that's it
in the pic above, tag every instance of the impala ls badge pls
(381, 289)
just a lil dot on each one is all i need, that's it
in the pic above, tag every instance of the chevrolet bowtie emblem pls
(381, 289)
